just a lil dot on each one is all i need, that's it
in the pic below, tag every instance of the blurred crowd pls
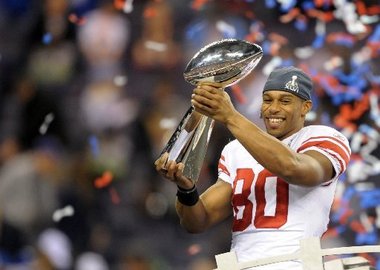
(91, 91)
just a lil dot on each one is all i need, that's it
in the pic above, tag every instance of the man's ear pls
(307, 105)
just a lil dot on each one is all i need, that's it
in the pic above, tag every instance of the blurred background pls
(91, 91)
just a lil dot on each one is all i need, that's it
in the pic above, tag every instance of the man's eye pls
(285, 101)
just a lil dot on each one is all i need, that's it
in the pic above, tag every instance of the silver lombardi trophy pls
(226, 62)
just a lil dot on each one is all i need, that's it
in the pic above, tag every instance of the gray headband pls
(290, 79)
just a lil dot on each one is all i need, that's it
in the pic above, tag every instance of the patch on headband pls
(292, 85)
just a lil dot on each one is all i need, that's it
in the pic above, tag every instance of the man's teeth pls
(275, 120)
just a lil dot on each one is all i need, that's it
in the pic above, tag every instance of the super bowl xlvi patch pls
(292, 85)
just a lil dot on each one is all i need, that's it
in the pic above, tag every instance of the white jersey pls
(270, 215)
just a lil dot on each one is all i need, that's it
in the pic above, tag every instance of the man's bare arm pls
(213, 207)
(307, 169)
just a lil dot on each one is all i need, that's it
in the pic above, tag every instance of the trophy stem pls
(189, 142)
(197, 149)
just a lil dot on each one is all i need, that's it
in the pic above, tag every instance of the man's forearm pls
(192, 218)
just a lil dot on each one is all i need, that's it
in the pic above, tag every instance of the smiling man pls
(278, 184)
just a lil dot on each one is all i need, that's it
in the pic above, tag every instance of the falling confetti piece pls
(168, 123)
(301, 23)
(156, 46)
(198, 4)
(94, 145)
(238, 93)
(286, 5)
(291, 15)
(124, 5)
(120, 80)
(369, 19)
(45, 125)
(227, 30)
(194, 249)
(73, 18)
(104, 180)
(119, 4)
(304, 52)
(115, 198)
(342, 39)
(149, 13)
(270, 3)
(67, 211)
(47, 38)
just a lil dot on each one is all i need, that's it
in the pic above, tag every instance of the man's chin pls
(274, 132)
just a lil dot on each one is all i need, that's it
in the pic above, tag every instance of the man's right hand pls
(173, 171)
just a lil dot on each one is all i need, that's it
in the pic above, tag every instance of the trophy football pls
(226, 62)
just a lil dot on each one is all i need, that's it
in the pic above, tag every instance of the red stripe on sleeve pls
(337, 149)
(342, 167)
(331, 138)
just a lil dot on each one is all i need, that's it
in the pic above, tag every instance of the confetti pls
(94, 145)
(366, 222)
(364, 10)
(365, 19)
(256, 32)
(304, 52)
(192, 31)
(104, 180)
(124, 5)
(346, 11)
(286, 5)
(45, 125)
(290, 16)
(194, 249)
(341, 39)
(75, 19)
(227, 30)
(67, 211)
(301, 23)
(270, 3)
(320, 31)
(377, 222)
(370, 198)
(47, 38)
(120, 80)
(238, 93)
(115, 198)
(156, 46)
(369, 238)
(375, 110)
(168, 123)
(198, 4)
(149, 13)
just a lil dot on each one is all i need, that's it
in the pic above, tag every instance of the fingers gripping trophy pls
(223, 63)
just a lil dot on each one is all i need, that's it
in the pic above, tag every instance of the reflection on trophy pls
(226, 61)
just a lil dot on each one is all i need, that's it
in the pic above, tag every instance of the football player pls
(278, 184)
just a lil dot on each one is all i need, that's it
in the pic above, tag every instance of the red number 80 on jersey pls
(271, 200)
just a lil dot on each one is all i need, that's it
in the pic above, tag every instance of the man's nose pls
(274, 107)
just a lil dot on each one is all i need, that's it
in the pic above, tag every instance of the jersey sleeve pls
(332, 144)
(223, 168)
